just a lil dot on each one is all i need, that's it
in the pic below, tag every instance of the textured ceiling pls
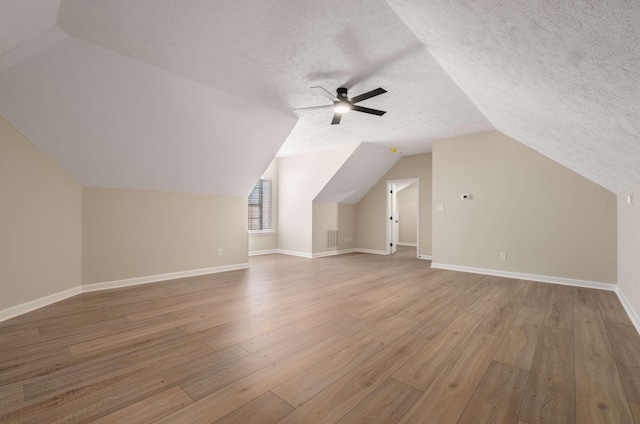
(273, 51)
(561, 77)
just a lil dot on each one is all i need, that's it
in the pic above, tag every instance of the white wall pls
(40, 223)
(629, 247)
(141, 233)
(408, 214)
(371, 211)
(300, 180)
(334, 216)
(550, 220)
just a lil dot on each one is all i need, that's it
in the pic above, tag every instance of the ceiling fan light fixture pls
(342, 107)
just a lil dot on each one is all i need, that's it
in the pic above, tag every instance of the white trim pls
(261, 232)
(160, 277)
(263, 252)
(294, 253)
(400, 243)
(32, 305)
(370, 251)
(425, 257)
(332, 253)
(628, 308)
(530, 277)
(388, 223)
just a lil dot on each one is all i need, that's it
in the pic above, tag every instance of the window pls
(260, 207)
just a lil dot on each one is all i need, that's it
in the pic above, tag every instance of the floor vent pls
(332, 239)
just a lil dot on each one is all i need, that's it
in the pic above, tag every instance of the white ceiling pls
(137, 95)
(273, 51)
(562, 77)
(22, 20)
(365, 166)
(115, 122)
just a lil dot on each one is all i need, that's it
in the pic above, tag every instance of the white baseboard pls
(161, 277)
(401, 243)
(294, 253)
(332, 253)
(629, 309)
(530, 277)
(425, 257)
(263, 252)
(370, 251)
(14, 311)
(32, 305)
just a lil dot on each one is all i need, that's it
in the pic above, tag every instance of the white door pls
(395, 226)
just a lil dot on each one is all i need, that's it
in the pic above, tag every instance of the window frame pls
(261, 203)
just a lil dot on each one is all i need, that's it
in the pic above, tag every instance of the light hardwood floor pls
(347, 339)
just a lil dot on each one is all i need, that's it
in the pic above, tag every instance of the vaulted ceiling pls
(197, 95)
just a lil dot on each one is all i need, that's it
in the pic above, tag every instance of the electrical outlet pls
(440, 208)
(503, 256)
(219, 252)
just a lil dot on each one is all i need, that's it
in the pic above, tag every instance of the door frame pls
(389, 223)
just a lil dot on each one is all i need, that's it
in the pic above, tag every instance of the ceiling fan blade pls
(368, 95)
(367, 110)
(324, 92)
(313, 107)
(336, 118)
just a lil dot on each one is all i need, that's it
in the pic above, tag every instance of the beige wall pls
(139, 233)
(40, 221)
(549, 220)
(268, 240)
(332, 216)
(300, 180)
(408, 214)
(371, 215)
(629, 247)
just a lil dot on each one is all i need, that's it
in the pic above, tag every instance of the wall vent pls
(332, 239)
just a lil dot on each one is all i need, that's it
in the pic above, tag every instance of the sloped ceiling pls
(197, 95)
(366, 165)
(273, 51)
(115, 122)
(561, 77)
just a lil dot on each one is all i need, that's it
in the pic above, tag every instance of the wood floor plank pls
(600, 396)
(436, 354)
(611, 308)
(519, 345)
(385, 405)
(625, 344)
(265, 409)
(498, 396)
(635, 409)
(560, 311)
(446, 398)
(310, 382)
(241, 392)
(550, 392)
(539, 296)
(337, 399)
(149, 409)
(11, 398)
(591, 340)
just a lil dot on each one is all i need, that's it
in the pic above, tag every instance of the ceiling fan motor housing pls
(342, 94)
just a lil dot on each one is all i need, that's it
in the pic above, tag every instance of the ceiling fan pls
(343, 104)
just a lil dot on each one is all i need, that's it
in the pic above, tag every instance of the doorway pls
(397, 226)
